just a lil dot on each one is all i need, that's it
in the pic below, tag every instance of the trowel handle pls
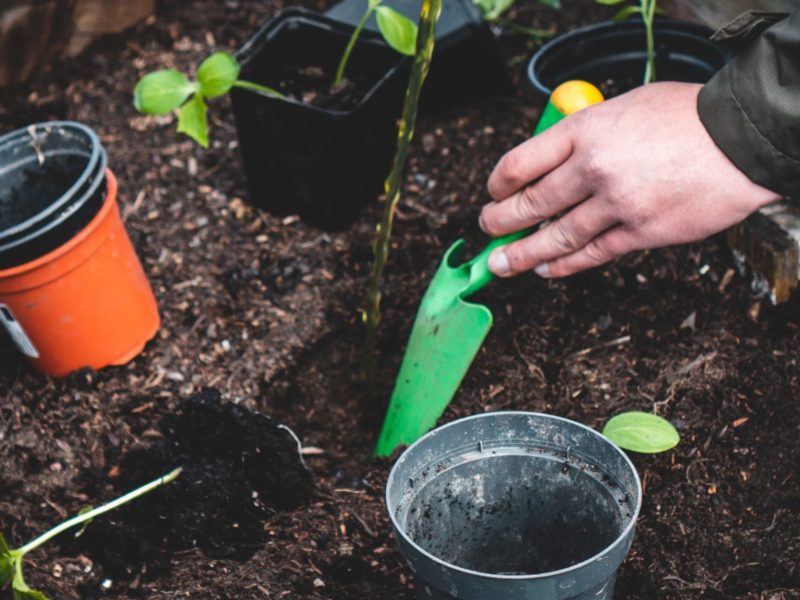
(566, 99)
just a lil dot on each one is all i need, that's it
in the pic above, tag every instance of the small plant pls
(641, 432)
(428, 17)
(161, 92)
(11, 560)
(647, 9)
(492, 9)
(397, 30)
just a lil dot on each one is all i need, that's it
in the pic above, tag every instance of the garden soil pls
(266, 311)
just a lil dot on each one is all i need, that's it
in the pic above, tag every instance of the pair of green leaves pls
(11, 572)
(163, 91)
(641, 432)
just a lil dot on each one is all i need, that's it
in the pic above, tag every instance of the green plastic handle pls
(479, 273)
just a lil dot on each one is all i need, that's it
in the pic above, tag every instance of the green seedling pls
(163, 91)
(11, 560)
(428, 17)
(493, 9)
(399, 32)
(647, 9)
(641, 432)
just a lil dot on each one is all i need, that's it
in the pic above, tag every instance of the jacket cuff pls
(750, 109)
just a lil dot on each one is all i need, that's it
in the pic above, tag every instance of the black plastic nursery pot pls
(323, 164)
(466, 63)
(612, 56)
(52, 184)
(514, 505)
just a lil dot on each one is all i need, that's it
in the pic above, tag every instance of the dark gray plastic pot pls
(52, 184)
(514, 506)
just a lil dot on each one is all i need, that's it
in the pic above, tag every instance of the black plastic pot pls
(467, 62)
(52, 183)
(322, 164)
(514, 505)
(612, 55)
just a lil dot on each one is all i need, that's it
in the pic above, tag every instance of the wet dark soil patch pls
(239, 469)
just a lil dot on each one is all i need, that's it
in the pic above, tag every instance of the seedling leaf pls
(492, 9)
(556, 4)
(217, 74)
(162, 91)
(6, 562)
(641, 432)
(192, 120)
(610, 2)
(626, 12)
(399, 31)
(26, 593)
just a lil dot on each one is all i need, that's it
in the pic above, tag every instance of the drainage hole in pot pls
(515, 515)
(30, 188)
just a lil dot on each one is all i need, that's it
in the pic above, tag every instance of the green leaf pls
(555, 4)
(83, 511)
(492, 9)
(399, 31)
(160, 92)
(217, 74)
(28, 594)
(626, 12)
(641, 432)
(6, 562)
(373, 4)
(192, 120)
(610, 2)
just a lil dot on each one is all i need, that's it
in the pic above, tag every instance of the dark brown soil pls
(267, 311)
(313, 85)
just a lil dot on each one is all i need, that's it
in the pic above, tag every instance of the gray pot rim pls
(97, 156)
(547, 574)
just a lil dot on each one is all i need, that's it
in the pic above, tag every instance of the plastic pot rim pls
(272, 27)
(109, 201)
(97, 155)
(680, 25)
(73, 208)
(624, 534)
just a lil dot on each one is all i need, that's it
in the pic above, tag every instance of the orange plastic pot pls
(87, 303)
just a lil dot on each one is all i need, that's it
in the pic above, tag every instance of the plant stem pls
(249, 85)
(172, 475)
(648, 14)
(429, 15)
(352, 42)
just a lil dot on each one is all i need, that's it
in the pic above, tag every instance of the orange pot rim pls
(79, 237)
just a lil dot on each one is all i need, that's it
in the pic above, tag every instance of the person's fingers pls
(562, 237)
(606, 247)
(531, 160)
(543, 199)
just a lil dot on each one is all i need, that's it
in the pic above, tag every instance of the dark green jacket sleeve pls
(751, 108)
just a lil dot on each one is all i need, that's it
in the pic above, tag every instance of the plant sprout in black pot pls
(163, 91)
(647, 9)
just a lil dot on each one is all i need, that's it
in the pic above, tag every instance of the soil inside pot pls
(239, 468)
(32, 189)
(314, 85)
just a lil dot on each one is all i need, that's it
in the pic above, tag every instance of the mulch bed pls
(266, 311)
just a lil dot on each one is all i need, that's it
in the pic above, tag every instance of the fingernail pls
(543, 270)
(498, 263)
(481, 222)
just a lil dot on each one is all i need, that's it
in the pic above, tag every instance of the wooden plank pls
(769, 243)
(35, 33)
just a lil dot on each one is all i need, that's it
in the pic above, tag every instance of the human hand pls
(637, 171)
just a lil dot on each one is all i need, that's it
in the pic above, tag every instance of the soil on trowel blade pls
(239, 468)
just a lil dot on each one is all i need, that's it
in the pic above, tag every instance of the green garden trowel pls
(449, 330)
